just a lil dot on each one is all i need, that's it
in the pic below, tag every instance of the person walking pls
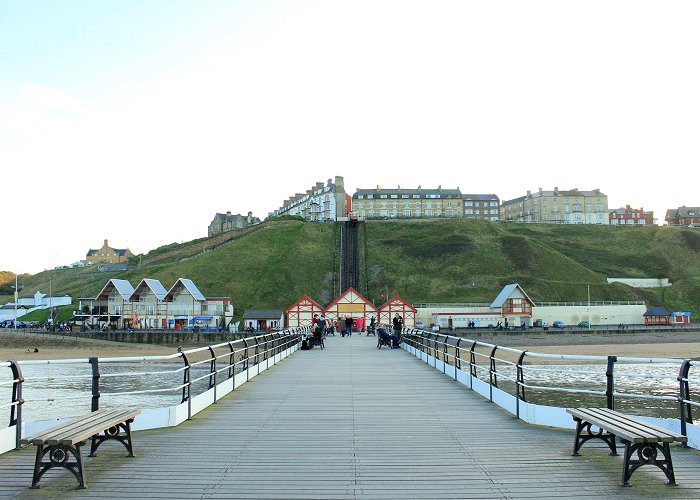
(348, 326)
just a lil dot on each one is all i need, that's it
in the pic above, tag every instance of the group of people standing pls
(323, 326)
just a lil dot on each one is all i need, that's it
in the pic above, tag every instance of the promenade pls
(349, 422)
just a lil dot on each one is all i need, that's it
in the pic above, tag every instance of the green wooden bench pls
(645, 444)
(61, 442)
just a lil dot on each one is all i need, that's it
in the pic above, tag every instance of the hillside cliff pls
(423, 261)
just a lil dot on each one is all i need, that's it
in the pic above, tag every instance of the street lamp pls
(53, 329)
(16, 299)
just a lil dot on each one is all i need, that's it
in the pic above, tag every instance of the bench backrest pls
(81, 428)
(626, 427)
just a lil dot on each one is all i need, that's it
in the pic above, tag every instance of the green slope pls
(425, 261)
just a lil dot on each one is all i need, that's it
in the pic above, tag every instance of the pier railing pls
(169, 389)
(537, 387)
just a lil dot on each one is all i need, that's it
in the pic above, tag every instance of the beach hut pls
(301, 313)
(351, 303)
(397, 305)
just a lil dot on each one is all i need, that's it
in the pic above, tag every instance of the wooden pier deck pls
(352, 421)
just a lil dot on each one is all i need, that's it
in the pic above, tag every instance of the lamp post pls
(589, 307)
(16, 299)
(53, 329)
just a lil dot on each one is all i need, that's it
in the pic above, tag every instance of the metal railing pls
(597, 377)
(202, 369)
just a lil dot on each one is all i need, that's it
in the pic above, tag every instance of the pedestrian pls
(397, 322)
(348, 326)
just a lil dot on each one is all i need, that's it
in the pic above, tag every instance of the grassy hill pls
(423, 261)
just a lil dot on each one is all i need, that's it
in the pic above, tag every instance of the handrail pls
(486, 362)
(266, 347)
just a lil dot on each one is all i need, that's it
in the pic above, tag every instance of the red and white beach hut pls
(301, 313)
(351, 303)
(398, 305)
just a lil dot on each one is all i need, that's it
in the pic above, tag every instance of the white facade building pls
(150, 306)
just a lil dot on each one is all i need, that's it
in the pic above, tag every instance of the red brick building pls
(630, 217)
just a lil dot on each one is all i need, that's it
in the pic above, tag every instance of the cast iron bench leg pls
(582, 437)
(646, 454)
(114, 433)
(59, 456)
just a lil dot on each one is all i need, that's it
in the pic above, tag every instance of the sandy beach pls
(21, 345)
(675, 344)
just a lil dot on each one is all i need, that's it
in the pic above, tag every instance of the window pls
(394, 196)
(428, 213)
(382, 196)
(468, 203)
(404, 196)
(416, 196)
(359, 196)
(469, 211)
(449, 204)
(406, 213)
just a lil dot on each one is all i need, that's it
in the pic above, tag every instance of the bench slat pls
(81, 428)
(618, 424)
(85, 431)
(626, 427)
(65, 426)
(630, 425)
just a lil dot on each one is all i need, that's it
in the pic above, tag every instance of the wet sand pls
(21, 345)
(676, 344)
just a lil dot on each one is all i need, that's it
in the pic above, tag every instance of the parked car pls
(584, 324)
(558, 324)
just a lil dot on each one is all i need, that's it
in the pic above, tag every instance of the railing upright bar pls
(610, 383)
(472, 365)
(212, 371)
(519, 384)
(458, 358)
(187, 384)
(445, 356)
(684, 397)
(493, 379)
(95, 404)
(231, 362)
(17, 401)
(246, 365)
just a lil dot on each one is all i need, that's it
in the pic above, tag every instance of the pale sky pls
(138, 121)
